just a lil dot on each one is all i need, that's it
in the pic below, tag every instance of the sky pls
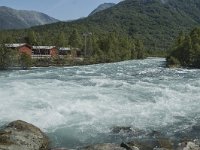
(59, 9)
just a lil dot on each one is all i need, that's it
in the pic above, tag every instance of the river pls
(79, 105)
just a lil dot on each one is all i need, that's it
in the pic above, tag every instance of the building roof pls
(64, 49)
(15, 45)
(43, 47)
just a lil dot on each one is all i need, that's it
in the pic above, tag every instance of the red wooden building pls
(21, 47)
(38, 52)
(44, 52)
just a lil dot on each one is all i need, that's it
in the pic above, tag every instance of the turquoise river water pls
(79, 105)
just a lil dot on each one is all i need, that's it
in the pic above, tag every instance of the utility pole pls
(85, 36)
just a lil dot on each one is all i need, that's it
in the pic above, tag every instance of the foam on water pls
(79, 105)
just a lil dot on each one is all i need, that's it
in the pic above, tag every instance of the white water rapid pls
(79, 105)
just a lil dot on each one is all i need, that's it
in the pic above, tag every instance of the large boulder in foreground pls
(20, 135)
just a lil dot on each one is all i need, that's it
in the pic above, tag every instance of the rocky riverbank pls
(20, 135)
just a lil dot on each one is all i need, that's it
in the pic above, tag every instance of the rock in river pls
(20, 135)
(129, 131)
(189, 146)
(106, 146)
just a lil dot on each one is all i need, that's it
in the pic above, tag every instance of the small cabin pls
(71, 52)
(64, 51)
(44, 52)
(20, 47)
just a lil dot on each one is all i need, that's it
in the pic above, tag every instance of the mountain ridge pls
(18, 19)
(102, 7)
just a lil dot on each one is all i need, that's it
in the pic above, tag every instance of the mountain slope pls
(18, 19)
(156, 22)
(102, 7)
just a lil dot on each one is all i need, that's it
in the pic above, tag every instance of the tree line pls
(96, 48)
(186, 50)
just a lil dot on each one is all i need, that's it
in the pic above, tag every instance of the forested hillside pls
(155, 23)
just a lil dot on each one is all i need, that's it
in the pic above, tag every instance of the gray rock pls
(191, 146)
(150, 144)
(106, 146)
(135, 148)
(196, 127)
(197, 141)
(154, 134)
(160, 149)
(59, 149)
(19, 135)
(181, 145)
(141, 145)
(127, 130)
(188, 146)
(129, 147)
(119, 129)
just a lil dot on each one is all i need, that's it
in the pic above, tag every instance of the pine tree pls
(133, 51)
(90, 43)
(6, 55)
(31, 38)
(139, 46)
(25, 61)
(61, 40)
(180, 39)
(75, 39)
